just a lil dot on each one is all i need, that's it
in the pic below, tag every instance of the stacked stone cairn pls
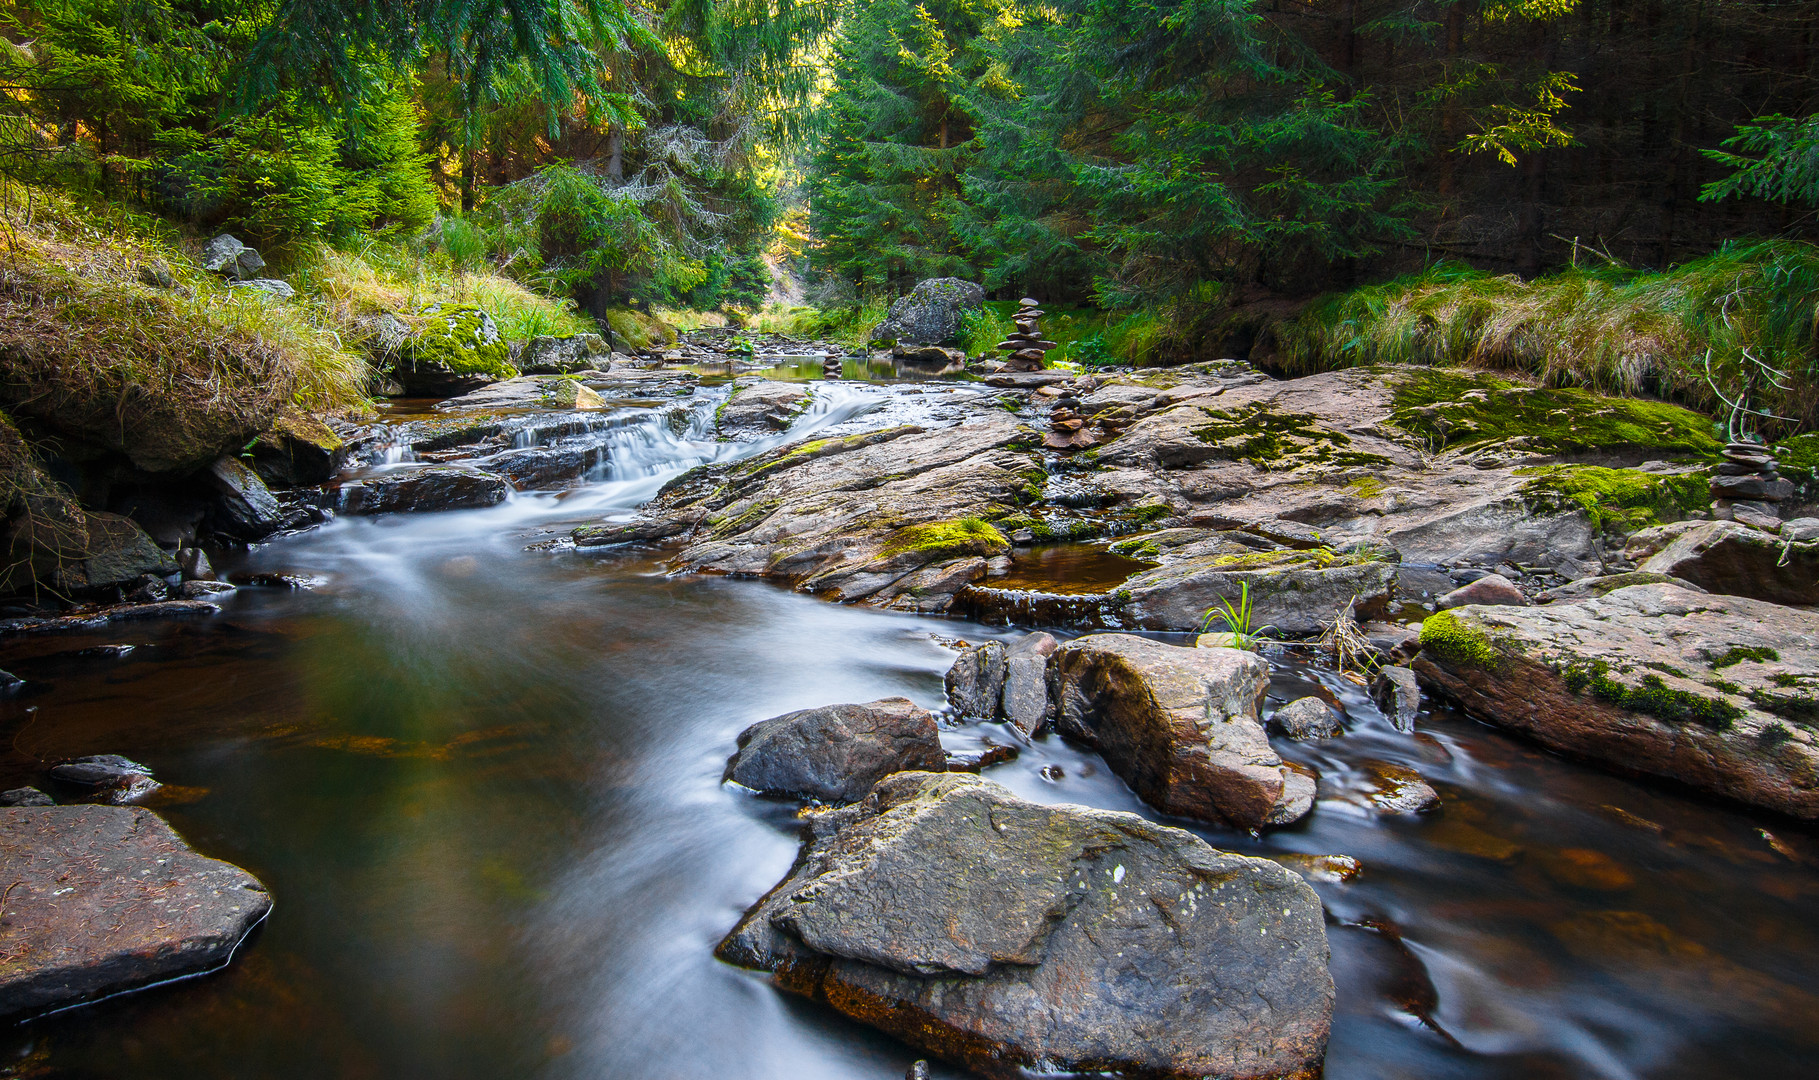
(1747, 488)
(830, 366)
(1026, 345)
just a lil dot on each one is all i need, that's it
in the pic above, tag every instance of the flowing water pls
(482, 781)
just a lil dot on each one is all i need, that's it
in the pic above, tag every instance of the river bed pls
(482, 781)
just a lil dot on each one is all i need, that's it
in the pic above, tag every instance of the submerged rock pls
(145, 907)
(1180, 726)
(1397, 692)
(422, 489)
(1306, 718)
(107, 777)
(1732, 558)
(1006, 936)
(837, 752)
(1717, 692)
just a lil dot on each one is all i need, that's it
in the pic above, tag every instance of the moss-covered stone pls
(457, 339)
(1451, 640)
(1738, 654)
(966, 536)
(1451, 408)
(1615, 500)
(1266, 437)
(1649, 695)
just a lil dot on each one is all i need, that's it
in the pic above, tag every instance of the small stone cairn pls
(1026, 345)
(1747, 488)
(830, 366)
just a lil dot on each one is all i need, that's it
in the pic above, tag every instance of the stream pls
(481, 777)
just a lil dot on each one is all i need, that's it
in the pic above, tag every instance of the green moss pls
(1366, 487)
(1146, 514)
(1449, 408)
(966, 536)
(1069, 529)
(1784, 679)
(1802, 708)
(1725, 685)
(457, 338)
(1138, 548)
(1445, 636)
(1740, 653)
(1774, 735)
(636, 330)
(750, 518)
(1799, 454)
(1650, 696)
(1267, 438)
(1615, 499)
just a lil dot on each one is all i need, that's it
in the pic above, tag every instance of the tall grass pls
(354, 287)
(1730, 325)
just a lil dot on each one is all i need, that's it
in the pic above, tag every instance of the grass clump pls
(1451, 409)
(1612, 329)
(1651, 696)
(1615, 500)
(965, 536)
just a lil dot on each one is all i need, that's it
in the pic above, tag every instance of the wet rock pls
(244, 508)
(932, 314)
(202, 590)
(144, 908)
(1398, 789)
(837, 752)
(89, 620)
(10, 684)
(1293, 594)
(917, 1071)
(929, 356)
(193, 562)
(1306, 718)
(1397, 691)
(25, 796)
(147, 590)
(107, 777)
(1489, 589)
(1733, 558)
(543, 468)
(975, 681)
(985, 757)
(1005, 936)
(118, 552)
(760, 410)
(298, 451)
(1180, 726)
(1024, 702)
(545, 355)
(422, 489)
(444, 350)
(632, 531)
(1326, 869)
(1717, 692)
(528, 392)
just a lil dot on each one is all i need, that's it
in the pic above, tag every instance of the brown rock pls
(1490, 589)
(109, 898)
(1180, 726)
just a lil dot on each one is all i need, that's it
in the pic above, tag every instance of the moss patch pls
(1651, 696)
(1270, 439)
(1622, 500)
(1465, 409)
(1738, 654)
(1448, 638)
(457, 338)
(966, 536)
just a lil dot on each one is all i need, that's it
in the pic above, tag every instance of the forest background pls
(1614, 193)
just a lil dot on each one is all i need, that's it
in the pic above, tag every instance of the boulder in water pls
(837, 752)
(1180, 726)
(976, 680)
(1024, 702)
(244, 508)
(145, 909)
(1009, 937)
(1306, 718)
(416, 490)
(107, 777)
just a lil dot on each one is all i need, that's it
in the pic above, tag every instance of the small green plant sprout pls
(1351, 650)
(1237, 620)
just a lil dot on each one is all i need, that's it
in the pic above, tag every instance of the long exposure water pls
(482, 781)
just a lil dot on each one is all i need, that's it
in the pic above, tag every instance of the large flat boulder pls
(836, 752)
(1295, 593)
(1734, 558)
(1717, 692)
(1180, 726)
(102, 899)
(1003, 935)
(761, 409)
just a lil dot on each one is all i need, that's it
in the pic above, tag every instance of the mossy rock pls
(1616, 500)
(447, 348)
(636, 331)
(1269, 438)
(1452, 409)
(966, 536)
